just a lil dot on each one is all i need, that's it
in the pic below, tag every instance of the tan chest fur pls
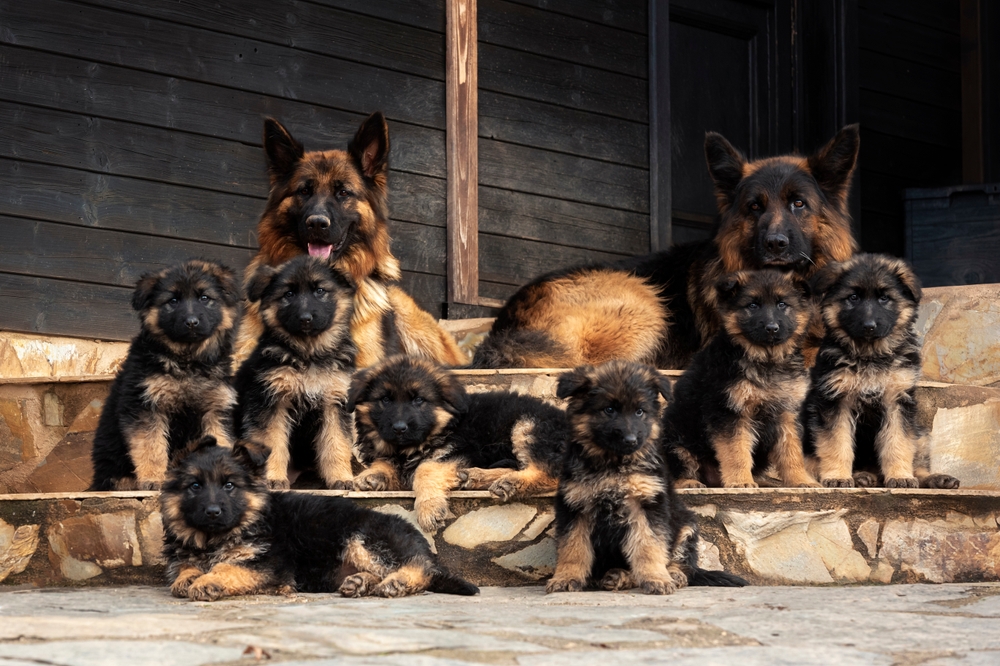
(312, 384)
(870, 383)
(171, 394)
(588, 492)
(746, 396)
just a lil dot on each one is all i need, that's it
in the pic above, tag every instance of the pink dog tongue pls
(321, 251)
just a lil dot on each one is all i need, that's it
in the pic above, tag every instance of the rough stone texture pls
(17, 545)
(902, 625)
(960, 327)
(966, 442)
(47, 357)
(769, 536)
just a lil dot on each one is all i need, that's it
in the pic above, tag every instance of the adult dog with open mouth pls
(787, 212)
(417, 427)
(333, 205)
(861, 411)
(619, 524)
(736, 407)
(227, 535)
(174, 384)
(293, 388)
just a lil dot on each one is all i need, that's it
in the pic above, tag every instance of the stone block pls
(940, 551)
(960, 329)
(42, 356)
(17, 545)
(534, 562)
(83, 546)
(493, 523)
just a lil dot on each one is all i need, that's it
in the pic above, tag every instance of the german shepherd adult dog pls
(736, 407)
(861, 411)
(787, 212)
(293, 388)
(333, 205)
(174, 384)
(417, 427)
(619, 524)
(226, 535)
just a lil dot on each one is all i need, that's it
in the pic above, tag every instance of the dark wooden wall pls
(910, 105)
(563, 148)
(130, 137)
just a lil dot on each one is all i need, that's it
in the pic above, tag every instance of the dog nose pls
(772, 327)
(869, 326)
(317, 222)
(399, 427)
(630, 439)
(777, 242)
(306, 318)
(191, 322)
(213, 510)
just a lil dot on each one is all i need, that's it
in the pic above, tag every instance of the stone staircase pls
(54, 533)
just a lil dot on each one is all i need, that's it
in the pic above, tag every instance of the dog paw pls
(616, 579)
(838, 483)
(472, 479)
(278, 484)
(149, 485)
(181, 586)
(374, 482)
(564, 585)
(391, 588)
(679, 578)
(658, 586)
(747, 484)
(902, 482)
(505, 489)
(688, 483)
(865, 480)
(433, 514)
(342, 484)
(358, 585)
(205, 590)
(943, 481)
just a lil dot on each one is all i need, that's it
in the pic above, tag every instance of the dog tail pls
(519, 349)
(705, 578)
(445, 582)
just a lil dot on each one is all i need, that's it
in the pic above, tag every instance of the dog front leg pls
(272, 429)
(227, 580)
(149, 448)
(431, 482)
(333, 447)
(790, 459)
(896, 449)
(646, 553)
(574, 556)
(734, 452)
(380, 475)
(835, 448)
(218, 419)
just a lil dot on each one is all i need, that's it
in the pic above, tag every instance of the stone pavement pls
(931, 625)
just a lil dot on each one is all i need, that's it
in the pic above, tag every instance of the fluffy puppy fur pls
(226, 535)
(174, 384)
(417, 427)
(619, 524)
(293, 388)
(861, 410)
(736, 407)
(334, 205)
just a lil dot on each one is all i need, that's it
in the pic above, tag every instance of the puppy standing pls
(174, 384)
(418, 427)
(293, 388)
(226, 535)
(619, 524)
(736, 407)
(861, 412)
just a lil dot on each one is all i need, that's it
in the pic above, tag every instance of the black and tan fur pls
(787, 212)
(736, 407)
(861, 410)
(333, 204)
(619, 524)
(417, 427)
(226, 535)
(174, 385)
(293, 388)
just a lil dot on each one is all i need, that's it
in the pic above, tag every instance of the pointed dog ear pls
(145, 289)
(358, 392)
(260, 281)
(664, 387)
(282, 150)
(370, 146)
(729, 286)
(833, 165)
(576, 381)
(252, 455)
(228, 284)
(827, 277)
(455, 397)
(908, 280)
(725, 165)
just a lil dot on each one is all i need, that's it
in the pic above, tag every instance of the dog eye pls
(418, 400)
(386, 400)
(173, 301)
(229, 485)
(609, 410)
(755, 206)
(782, 305)
(195, 486)
(853, 298)
(289, 294)
(753, 306)
(306, 190)
(319, 291)
(344, 193)
(883, 299)
(639, 412)
(798, 203)
(204, 299)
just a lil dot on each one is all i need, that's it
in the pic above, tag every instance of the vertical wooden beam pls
(660, 199)
(462, 109)
(972, 92)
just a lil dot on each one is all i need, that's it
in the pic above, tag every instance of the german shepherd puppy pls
(226, 535)
(786, 212)
(861, 411)
(736, 407)
(293, 388)
(417, 427)
(174, 384)
(619, 524)
(333, 205)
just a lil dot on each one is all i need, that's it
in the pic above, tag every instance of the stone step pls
(769, 536)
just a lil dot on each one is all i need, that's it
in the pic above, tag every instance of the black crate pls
(953, 234)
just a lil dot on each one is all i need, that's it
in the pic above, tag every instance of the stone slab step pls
(769, 536)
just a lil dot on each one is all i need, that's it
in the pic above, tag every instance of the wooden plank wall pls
(563, 136)
(130, 138)
(910, 108)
